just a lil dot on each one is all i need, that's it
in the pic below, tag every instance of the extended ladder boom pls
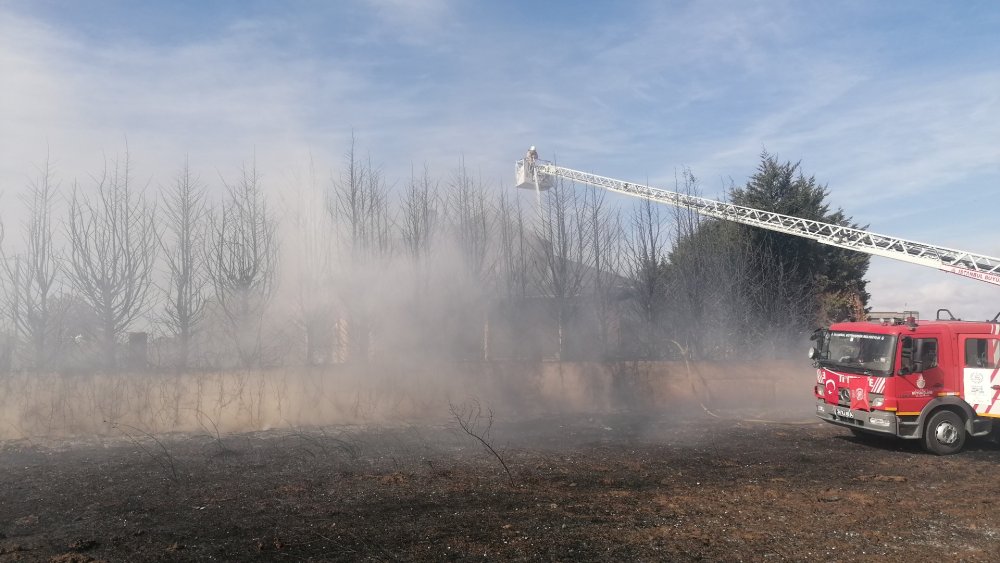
(968, 264)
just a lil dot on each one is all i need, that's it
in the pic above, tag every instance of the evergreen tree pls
(736, 290)
(834, 276)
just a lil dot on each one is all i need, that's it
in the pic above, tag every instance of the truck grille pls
(844, 397)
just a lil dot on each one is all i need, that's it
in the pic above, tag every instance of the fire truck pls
(930, 380)
(935, 381)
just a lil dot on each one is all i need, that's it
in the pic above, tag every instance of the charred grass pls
(619, 487)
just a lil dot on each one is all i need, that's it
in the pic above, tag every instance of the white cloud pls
(217, 100)
(414, 21)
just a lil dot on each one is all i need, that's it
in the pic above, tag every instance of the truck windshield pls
(859, 352)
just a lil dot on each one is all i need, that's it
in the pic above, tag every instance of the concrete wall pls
(66, 405)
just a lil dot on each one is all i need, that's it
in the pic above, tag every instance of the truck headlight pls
(876, 421)
(877, 400)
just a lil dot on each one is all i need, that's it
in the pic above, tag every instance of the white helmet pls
(532, 148)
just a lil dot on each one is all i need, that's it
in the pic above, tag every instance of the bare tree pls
(514, 251)
(471, 227)
(359, 207)
(113, 240)
(32, 273)
(515, 273)
(471, 224)
(695, 282)
(359, 204)
(560, 236)
(243, 262)
(186, 215)
(420, 217)
(311, 251)
(707, 295)
(604, 257)
(645, 259)
(420, 230)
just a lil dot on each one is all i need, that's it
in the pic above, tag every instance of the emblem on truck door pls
(921, 382)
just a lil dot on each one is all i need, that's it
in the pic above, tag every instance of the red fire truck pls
(935, 381)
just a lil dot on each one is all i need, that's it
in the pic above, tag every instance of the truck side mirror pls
(816, 352)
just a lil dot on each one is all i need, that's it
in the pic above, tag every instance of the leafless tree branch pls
(471, 421)
(113, 241)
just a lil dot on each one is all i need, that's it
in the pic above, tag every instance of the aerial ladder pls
(540, 175)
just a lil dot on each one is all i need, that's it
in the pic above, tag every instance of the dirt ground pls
(610, 487)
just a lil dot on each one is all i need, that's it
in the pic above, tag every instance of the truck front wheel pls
(944, 433)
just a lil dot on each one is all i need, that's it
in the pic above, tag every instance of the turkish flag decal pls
(859, 394)
(830, 390)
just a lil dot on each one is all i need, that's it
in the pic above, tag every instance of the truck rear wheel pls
(944, 433)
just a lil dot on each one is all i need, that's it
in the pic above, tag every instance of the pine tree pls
(736, 290)
(833, 276)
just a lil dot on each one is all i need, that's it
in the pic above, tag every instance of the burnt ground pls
(619, 487)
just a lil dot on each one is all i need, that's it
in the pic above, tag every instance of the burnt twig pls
(166, 461)
(469, 418)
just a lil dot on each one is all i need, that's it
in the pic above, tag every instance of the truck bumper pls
(879, 422)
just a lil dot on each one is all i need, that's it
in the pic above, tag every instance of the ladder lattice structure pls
(967, 264)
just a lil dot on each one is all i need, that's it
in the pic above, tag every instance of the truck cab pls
(934, 381)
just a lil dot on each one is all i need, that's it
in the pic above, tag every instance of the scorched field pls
(609, 487)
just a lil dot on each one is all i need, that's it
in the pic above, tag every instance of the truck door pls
(980, 382)
(920, 375)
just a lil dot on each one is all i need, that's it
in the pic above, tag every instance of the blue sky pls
(894, 105)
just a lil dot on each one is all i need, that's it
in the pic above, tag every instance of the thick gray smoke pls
(347, 297)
